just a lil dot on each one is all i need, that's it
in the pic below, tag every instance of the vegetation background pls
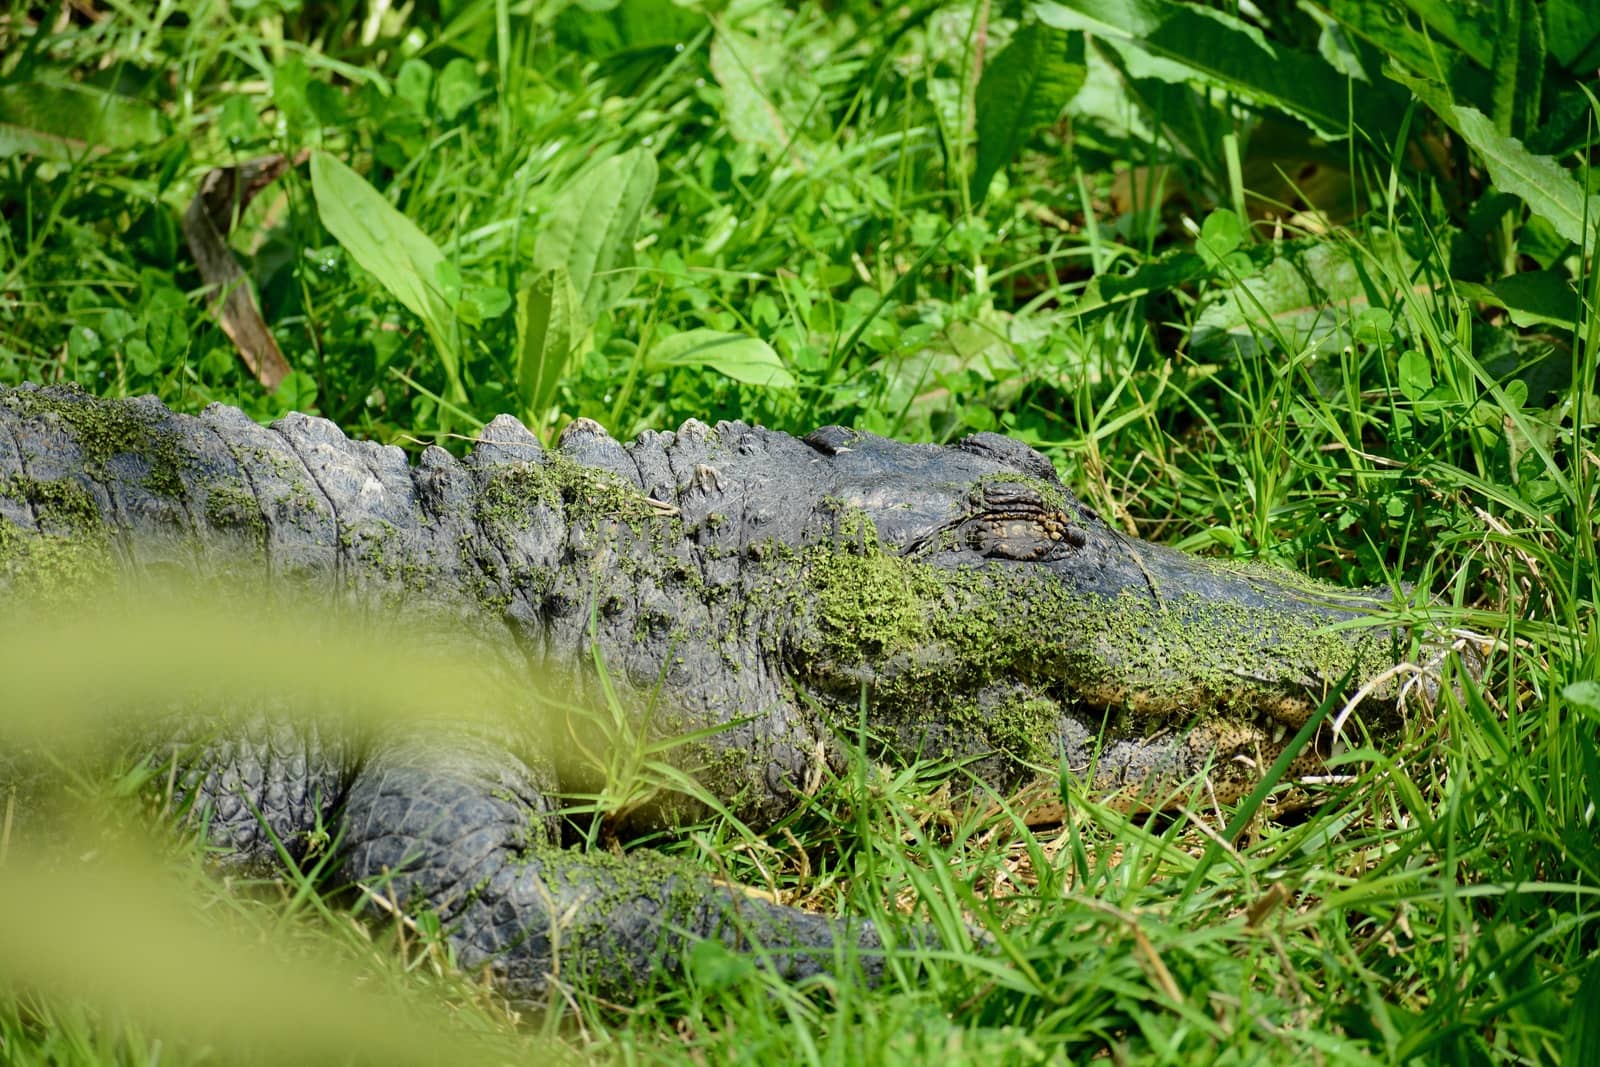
(1309, 282)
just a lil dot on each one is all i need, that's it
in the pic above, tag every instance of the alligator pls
(773, 600)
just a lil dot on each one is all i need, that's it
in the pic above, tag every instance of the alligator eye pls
(1026, 540)
(1013, 521)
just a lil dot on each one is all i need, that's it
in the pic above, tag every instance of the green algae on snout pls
(925, 639)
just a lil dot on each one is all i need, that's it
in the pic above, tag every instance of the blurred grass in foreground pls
(95, 918)
(111, 930)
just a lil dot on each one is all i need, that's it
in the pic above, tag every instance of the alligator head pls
(975, 609)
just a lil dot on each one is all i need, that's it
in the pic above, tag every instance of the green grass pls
(1382, 371)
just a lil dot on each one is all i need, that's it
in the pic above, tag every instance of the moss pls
(230, 505)
(62, 507)
(872, 602)
(69, 556)
(1027, 727)
(104, 430)
(515, 490)
(1053, 496)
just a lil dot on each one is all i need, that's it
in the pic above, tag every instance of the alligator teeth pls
(1279, 732)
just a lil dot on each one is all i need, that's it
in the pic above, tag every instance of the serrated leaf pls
(550, 330)
(590, 228)
(1023, 88)
(1550, 191)
(391, 248)
(744, 359)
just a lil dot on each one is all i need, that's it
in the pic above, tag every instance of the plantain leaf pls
(550, 331)
(590, 228)
(1024, 87)
(1550, 192)
(744, 359)
(391, 248)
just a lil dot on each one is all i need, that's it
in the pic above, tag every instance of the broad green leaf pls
(1550, 191)
(590, 228)
(414, 83)
(1160, 275)
(1438, 96)
(1305, 295)
(1572, 30)
(391, 248)
(617, 30)
(1024, 87)
(744, 359)
(1584, 694)
(1373, 325)
(237, 120)
(458, 87)
(550, 329)
(1226, 52)
(62, 120)
(1471, 27)
(1534, 297)
(1583, 1023)
(1335, 46)
(1413, 52)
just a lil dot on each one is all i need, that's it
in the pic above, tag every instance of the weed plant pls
(1307, 283)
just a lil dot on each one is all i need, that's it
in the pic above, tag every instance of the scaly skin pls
(736, 580)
